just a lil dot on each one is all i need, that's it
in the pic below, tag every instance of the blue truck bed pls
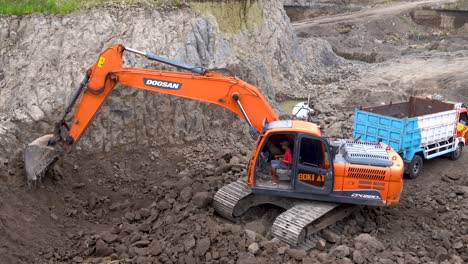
(423, 126)
(402, 134)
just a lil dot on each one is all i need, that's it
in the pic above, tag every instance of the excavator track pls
(228, 197)
(290, 226)
(298, 226)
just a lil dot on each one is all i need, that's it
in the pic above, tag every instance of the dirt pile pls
(147, 213)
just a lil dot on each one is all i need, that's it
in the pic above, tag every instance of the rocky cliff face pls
(44, 57)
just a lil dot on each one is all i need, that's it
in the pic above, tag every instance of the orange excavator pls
(317, 187)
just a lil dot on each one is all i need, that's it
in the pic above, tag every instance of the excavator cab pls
(311, 170)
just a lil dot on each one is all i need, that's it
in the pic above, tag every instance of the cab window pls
(464, 119)
(313, 153)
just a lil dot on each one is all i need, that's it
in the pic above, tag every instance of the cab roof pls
(294, 126)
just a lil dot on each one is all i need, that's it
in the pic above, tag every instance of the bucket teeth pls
(38, 157)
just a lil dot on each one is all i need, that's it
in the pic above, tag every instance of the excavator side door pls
(314, 168)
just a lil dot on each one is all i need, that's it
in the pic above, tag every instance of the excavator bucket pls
(38, 157)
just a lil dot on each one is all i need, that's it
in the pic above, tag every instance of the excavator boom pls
(199, 84)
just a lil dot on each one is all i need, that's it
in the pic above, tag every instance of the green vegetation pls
(461, 5)
(22, 7)
(288, 105)
(233, 16)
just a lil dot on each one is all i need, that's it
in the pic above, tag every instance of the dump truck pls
(419, 129)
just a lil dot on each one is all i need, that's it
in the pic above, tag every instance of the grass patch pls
(21, 7)
(288, 105)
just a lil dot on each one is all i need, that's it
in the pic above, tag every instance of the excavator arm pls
(242, 98)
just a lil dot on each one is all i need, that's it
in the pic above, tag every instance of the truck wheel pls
(415, 167)
(457, 153)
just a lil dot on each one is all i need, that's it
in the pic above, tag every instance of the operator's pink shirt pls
(288, 157)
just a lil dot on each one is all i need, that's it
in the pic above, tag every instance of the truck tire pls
(457, 153)
(415, 167)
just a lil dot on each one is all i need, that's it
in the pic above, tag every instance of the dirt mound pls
(113, 208)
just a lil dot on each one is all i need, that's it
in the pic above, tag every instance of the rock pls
(115, 207)
(202, 246)
(163, 205)
(140, 251)
(369, 242)
(78, 259)
(130, 216)
(282, 250)
(189, 259)
(386, 261)
(182, 183)
(257, 227)
(102, 249)
(462, 190)
(344, 261)
(270, 246)
(144, 227)
(184, 173)
(208, 257)
(54, 216)
(441, 234)
(202, 199)
(440, 253)
(357, 257)
(145, 213)
(456, 260)
(457, 245)
(297, 254)
(155, 248)
(235, 160)
(134, 237)
(186, 194)
(92, 200)
(121, 249)
(109, 238)
(250, 235)
(236, 229)
(224, 228)
(340, 251)
(321, 244)
(454, 177)
(189, 243)
(141, 243)
(253, 260)
(254, 248)
(331, 236)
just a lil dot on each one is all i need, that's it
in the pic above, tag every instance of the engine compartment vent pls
(366, 153)
(369, 174)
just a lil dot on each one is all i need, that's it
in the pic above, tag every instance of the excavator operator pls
(283, 161)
